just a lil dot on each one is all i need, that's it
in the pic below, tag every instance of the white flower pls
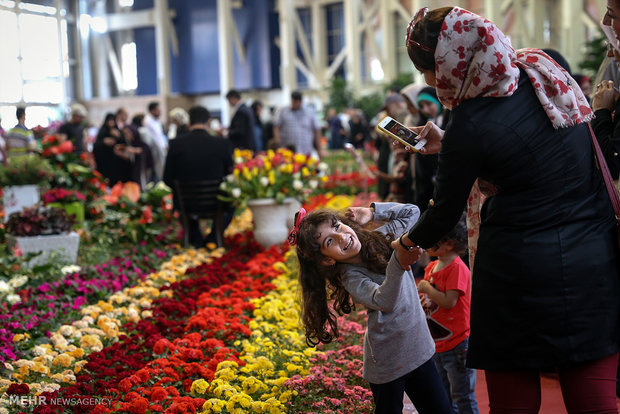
(13, 299)
(230, 178)
(297, 175)
(323, 166)
(264, 181)
(314, 184)
(298, 185)
(4, 287)
(39, 350)
(223, 185)
(238, 160)
(70, 269)
(66, 330)
(236, 192)
(18, 281)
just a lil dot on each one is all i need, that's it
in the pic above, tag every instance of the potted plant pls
(20, 178)
(43, 229)
(71, 201)
(270, 183)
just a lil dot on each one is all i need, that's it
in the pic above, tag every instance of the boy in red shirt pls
(446, 293)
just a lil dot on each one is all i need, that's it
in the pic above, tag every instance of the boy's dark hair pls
(320, 283)
(153, 105)
(20, 112)
(426, 32)
(198, 115)
(233, 94)
(296, 96)
(458, 235)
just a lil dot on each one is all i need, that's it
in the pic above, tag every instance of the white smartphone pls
(401, 133)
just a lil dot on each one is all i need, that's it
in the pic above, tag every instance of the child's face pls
(338, 242)
(441, 248)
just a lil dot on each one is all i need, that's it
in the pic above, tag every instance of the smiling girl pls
(343, 263)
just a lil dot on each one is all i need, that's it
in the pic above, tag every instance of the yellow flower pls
(267, 165)
(199, 386)
(63, 360)
(299, 158)
(305, 171)
(272, 177)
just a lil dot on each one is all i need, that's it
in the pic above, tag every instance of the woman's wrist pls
(405, 246)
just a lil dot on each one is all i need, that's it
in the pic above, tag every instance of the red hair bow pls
(292, 236)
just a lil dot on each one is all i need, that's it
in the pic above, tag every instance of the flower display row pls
(224, 336)
(47, 367)
(272, 174)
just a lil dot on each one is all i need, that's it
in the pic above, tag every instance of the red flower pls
(18, 389)
(158, 394)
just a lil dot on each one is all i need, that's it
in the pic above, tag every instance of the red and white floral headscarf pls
(473, 58)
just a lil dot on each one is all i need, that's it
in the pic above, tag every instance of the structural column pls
(352, 43)
(162, 48)
(225, 52)
(288, 53)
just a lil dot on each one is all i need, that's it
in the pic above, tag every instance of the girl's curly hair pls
(320, 283)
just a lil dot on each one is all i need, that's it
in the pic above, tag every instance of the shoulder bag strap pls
(609, 182)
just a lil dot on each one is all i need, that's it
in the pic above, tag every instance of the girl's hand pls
(424, 286)
(604, 96)
(433, 135)
(406, 257)
(360, 215)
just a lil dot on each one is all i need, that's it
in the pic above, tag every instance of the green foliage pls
(340, 95)
(25, 170)
(370, 104)
(596, 50)
(402, 80)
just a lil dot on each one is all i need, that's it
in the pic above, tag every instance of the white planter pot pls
(269, 221)
(66, 245)
(19, 196)
(293, 207)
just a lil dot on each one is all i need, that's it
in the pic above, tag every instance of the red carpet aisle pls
(551, 397)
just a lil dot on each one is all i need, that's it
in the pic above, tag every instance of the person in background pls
(585, 83)
(105, 158)
(336, 129)
(446, 296)
(122, 117)
(19, 139)
(431, 110)
(198, 156)
(146, 174)
(395, 107)
(241, 129)
(3, 158)
(297, 127)
(606, 123)
(158, 141)
(358, 128)
(73, 129)
(179, 122)
(410, 95)
(522, 129)
(259, 136)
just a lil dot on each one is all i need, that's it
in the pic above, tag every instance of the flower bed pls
(223, 337)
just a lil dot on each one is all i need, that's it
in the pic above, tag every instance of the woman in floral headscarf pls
(545, 276)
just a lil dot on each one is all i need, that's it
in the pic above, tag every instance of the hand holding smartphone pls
(400, 133)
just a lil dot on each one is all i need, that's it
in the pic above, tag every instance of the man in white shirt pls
(159, 145)
(297, 127)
